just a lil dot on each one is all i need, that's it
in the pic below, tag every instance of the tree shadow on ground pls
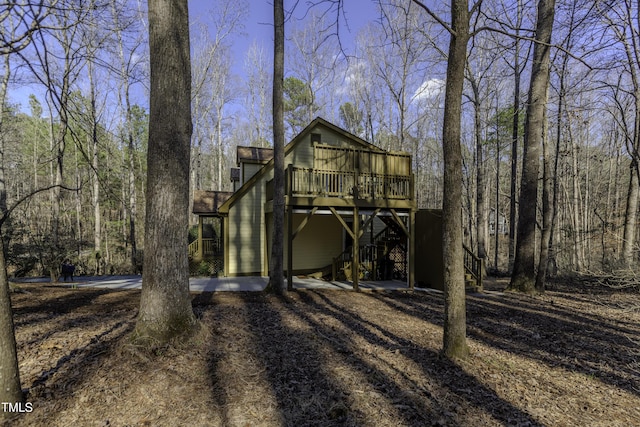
(70, 334)
(463, 386)
(545, 331)
(48, 307)
(74, 309)
(328, 365)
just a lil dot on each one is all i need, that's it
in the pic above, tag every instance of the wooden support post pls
(355, 263)
(198, 255)
(290, 237)
(225, 245)
(412, 249)
(265, 246)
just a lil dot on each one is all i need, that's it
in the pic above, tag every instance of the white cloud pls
(429, 89)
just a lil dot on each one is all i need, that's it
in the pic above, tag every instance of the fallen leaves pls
(569, 357)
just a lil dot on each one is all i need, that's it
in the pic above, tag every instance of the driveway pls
(218, 284)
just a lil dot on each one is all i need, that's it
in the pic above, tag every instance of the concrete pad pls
(220, 284)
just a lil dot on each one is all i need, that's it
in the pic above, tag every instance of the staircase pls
(384, 259)
(473, 270)
(342, 264)
(392, 251)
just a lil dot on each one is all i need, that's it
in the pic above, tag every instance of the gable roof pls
(208, 202)
(253, 154)
(295, 141)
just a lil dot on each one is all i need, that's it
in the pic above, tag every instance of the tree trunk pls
(547, 216)
(515, 131)
(523, 276)
(455, 323)
(3, 97)
(276, 270)
(496, 216)
(93, 141)
(10, 390)
(630, 216)
(481, 200)
(575, 206)
(165, 303)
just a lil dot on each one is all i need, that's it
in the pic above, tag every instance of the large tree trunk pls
(165, 304)
(276, 280)
(455, 323)
(523, 277)
(10, 390)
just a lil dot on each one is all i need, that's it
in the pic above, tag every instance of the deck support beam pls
(355, 264)
(400, 222)
(412, 249)
(199, 255)
(304, 221)
(289, 245)
(292, 235)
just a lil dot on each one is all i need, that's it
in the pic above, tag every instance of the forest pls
(522, 120)
(74, 119)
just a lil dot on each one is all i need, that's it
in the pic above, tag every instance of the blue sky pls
(258, 27)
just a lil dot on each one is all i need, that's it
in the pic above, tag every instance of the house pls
(503, 227)
(349, 210)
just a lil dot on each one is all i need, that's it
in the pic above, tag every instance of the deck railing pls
(210, 247)
(344, 184)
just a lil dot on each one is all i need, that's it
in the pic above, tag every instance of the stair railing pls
(193, 249)
(368, 259)
(473, 265)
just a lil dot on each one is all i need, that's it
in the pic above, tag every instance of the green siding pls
(314, 247)
(248, 170)
(317, 244)
(247, 230)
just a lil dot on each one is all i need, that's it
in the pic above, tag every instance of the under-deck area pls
(368, 196)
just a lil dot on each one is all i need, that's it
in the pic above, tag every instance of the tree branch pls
(24, 198)
(434, 16)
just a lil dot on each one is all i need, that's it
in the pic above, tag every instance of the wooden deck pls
(313, 187)
(347, 177)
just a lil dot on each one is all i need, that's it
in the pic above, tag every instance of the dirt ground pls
(570, 357)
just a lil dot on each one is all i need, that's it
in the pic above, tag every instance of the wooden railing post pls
(199, 254)
(355, 262)
(289, 212)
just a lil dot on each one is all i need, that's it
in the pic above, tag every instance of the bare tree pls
(24, 18)
(258, 95)
(402, 64)
(165, 303)
(276, 267)
(455, 323)
(10, 390)
(621, 20)
(314, 60)
(127, 66)
(523, 277)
